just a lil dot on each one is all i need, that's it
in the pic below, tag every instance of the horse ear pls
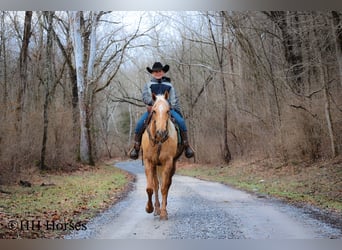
(154, 97)
(166, 95)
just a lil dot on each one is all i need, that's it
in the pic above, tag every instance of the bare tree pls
(323, 76)
(67, 52)
(49, 80)
(99, 66)
(220, 56)
(3, 58)
(82, 86)
(23, 68)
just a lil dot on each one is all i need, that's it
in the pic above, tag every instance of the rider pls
(158, 85)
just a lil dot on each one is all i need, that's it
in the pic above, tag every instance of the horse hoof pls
(163, 216)
(149, 209)
(156, 212)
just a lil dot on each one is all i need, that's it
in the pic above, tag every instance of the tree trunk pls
(226, 152)
(220, 58)
(292, 46)
(73, 79)
(48, 82)
(337, 32)
(22, 86)
(85, 153)
(23, 70)
(323, 75)
(3, 53)
(24, 49)
(90, 44)
(328, 118)
(131, 129)
(42, 165)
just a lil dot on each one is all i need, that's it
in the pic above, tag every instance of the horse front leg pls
(149, 172)
(166, 183)
(156, 193)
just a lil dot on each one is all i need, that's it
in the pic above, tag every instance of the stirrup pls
(134, 153)
(189, 152)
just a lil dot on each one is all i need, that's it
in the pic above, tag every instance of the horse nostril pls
(161, 133)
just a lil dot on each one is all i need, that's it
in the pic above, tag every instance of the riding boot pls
(188, 150)
(134, 153)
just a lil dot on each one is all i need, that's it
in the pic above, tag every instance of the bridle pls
(153, 139)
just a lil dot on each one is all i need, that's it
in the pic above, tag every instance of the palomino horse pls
(161, 150)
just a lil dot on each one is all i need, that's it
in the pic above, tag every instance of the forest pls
(252, 84)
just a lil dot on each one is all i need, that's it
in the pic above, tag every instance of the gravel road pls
(203, 210)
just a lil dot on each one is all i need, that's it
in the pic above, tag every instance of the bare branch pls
(127, 99)
(303, 108)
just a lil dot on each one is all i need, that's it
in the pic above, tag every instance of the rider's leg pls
(139, 130)
(181, 123)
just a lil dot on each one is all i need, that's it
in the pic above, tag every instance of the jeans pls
(179, 120)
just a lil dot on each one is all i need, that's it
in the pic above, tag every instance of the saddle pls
(179, 137)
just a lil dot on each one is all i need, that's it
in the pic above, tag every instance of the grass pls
(318, 184)
(66, 200)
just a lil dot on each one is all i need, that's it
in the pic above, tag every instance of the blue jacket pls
(159, 87)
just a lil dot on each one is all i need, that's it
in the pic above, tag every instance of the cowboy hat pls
(158, 66)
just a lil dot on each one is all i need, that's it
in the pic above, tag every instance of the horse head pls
(160, 116)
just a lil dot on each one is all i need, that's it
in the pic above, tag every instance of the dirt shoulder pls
(317, 187)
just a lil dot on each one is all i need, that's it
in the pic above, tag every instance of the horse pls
(160, 151)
